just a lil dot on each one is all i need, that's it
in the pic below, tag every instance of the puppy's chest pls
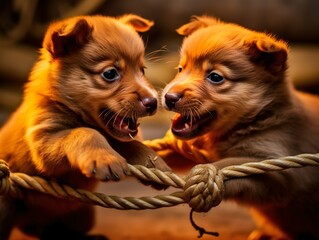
(211, 149)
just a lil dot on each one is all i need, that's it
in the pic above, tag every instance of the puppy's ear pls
(268, 52)
(65, 37)
(195, 24)
(138, 23)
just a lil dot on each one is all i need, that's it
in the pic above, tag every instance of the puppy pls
(235, 104)
(84, 97)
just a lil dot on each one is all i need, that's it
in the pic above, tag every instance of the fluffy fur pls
(234, 105)
(82, 101)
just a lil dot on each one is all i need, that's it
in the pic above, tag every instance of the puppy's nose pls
(171, 99)
(150, 104)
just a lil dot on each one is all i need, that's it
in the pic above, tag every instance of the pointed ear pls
(67, 36)
(138, 23)
(196, 23)
(268, 52)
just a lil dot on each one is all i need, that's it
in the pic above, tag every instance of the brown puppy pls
(85, 94)
(234, 105)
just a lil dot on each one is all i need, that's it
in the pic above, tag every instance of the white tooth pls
(187, 126)
(131, 136)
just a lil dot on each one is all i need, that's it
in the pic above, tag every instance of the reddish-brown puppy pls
(235, 104)
(84, 95)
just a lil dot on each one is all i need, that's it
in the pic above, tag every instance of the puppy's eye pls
(110, 75)
(180, 69)
(215, 78)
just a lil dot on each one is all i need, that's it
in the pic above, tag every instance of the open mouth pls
(188, 127)
(119, 125)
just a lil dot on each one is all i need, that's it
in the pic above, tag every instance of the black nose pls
(150, 104)
(171, 99)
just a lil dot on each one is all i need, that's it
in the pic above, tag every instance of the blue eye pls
(110, 75)
(215, 78)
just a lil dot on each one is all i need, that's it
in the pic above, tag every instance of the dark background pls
(23, 23)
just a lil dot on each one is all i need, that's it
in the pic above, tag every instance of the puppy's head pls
(226, 75)
(96, 68)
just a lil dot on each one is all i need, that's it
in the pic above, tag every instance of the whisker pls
(108, 122)
(103, 112)
(106, 111)
(162, 49)
(106, 114)
(198, 101)
(114, 118)
(153, 56)
(197, 112)
(210, 113)
(191, 117)
(123, 119)
(155, 59)
(146, 41)
(116, 115)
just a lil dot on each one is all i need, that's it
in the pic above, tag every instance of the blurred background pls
(23, 24)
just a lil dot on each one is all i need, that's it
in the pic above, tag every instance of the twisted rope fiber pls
(203, 188)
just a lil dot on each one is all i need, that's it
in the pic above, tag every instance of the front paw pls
(103, 165)
(137, 153)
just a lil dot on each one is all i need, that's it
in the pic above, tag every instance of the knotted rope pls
(203, 188)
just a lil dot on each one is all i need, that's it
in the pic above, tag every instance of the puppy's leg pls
(177, 154)
(82, 148)
(8, 213)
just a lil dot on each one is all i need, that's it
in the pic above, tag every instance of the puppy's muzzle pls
(171, 99)
(150, 104)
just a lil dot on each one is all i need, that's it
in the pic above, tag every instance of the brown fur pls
(62, 130)
(254, 114)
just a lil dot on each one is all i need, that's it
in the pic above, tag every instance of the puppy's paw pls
(103, 165)
(136, 153)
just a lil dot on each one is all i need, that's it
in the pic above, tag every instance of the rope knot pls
(204, 187)
(4, 177)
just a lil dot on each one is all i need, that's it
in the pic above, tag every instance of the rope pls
(203, 188)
